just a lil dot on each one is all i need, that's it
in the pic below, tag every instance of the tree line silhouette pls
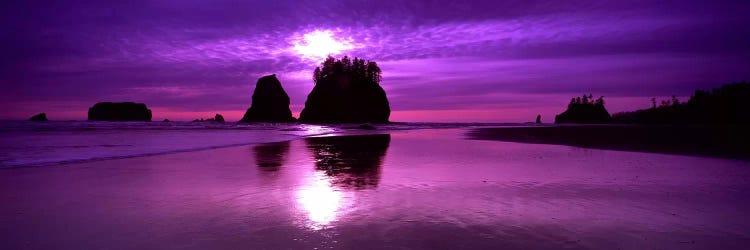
(586, 100)
(727, 104)
(359, 70)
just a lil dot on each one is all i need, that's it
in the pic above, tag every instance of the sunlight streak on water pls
(311, 130)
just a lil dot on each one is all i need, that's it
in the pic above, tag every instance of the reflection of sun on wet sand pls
(319, 200)
(342, 164)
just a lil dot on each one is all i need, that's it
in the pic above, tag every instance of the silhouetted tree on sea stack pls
(346, 91)
(585, 109)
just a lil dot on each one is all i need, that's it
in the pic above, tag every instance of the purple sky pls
(441, 60)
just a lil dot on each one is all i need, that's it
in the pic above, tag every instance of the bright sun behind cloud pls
(318, 44)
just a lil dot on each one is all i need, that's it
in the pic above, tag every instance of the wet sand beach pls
(416, 189)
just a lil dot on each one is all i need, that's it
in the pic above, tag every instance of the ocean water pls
(27, 143)
(396, 189)
(48, 143)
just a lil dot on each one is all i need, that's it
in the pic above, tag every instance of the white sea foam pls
(37, 144)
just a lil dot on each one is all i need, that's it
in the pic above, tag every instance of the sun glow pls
(318, 44)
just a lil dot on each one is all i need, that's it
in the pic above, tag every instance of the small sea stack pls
(217, 118)
(41, 117)
(270, 102)
(119, 111)
(585, 110)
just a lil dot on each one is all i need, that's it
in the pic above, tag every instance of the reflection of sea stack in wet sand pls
(270, 102)
(351, 161)
(271, 156)
(119, 111)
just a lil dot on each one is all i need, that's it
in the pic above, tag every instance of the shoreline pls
(724, 141)
(345, 132)
(98, 159)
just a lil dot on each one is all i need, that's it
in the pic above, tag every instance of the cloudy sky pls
(502, 61)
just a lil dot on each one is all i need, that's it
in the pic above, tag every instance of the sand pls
(425, 189)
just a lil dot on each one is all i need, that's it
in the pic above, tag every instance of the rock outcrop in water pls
(585, 110)
(217, 118)
(346, 91)
(41, 117)
(119, 111)
(270, 102)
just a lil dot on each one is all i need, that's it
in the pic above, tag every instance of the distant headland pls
(711, 123)
(728, 104)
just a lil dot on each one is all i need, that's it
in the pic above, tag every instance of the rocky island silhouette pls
(346, 91)
(41, 117)
(119, 111)
(584, 110)
(217, 118)
(270, 103)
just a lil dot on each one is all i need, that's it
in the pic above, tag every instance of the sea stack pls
(119, 111)
(585, 110)
(218, 118)
(346, 91)
(41, 117)
(270, 102)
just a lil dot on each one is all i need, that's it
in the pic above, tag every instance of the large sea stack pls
(119, 111)
(585, 110)
(346, 91)
(270, 102)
